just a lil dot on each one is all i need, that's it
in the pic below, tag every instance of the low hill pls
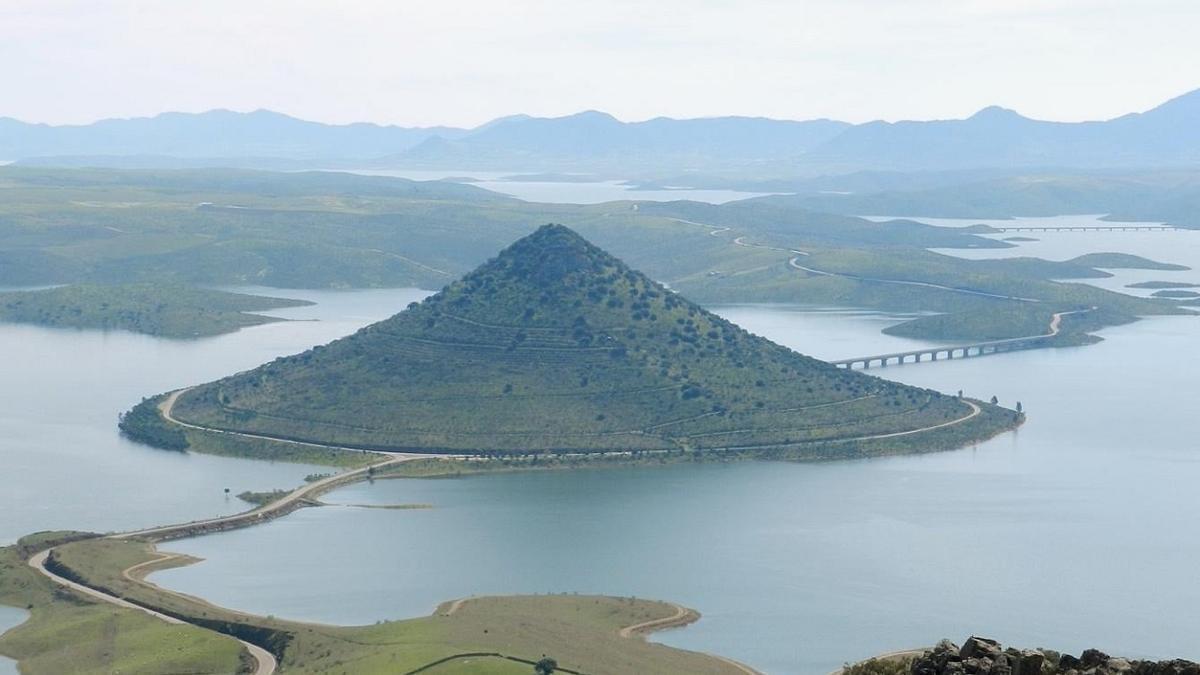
(555, 345)
(166, 310)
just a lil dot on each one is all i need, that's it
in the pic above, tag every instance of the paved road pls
(1054, 330)
(168, 405)
(266, 664)
(271, 510)
(794, 263)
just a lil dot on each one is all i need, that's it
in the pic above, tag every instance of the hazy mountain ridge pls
(594, 135)
(215, 133)
(995, 137)
(1163, 136)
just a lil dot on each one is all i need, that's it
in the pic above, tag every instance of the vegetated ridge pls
(556, 346)
(166, 310)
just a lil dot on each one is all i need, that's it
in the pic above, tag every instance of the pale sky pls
(463, 62)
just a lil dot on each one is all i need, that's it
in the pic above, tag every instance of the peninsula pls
(557, 347)
(166, 310)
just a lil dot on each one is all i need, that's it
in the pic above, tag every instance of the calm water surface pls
(1077, 530)
(64, 466)
(9, 618)
(1179, 247)
(567, 192)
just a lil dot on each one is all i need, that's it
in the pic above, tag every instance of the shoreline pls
(266, 661)
(787, 451)
(307, 495)
(886, 656)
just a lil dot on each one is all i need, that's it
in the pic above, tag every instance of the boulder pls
(1093, 658)
(977, 647)
(1118, 665)
(981, 656)
(975, 666)
(1028, 662)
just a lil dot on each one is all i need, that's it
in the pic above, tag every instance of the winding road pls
(795, 264)
(901, 282)
(264, 660)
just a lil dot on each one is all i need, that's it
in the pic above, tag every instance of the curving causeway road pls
(266, 663)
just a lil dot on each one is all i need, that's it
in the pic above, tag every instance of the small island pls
(1175, 294)
(163, 310)
(1162, 285)
(1125, 261)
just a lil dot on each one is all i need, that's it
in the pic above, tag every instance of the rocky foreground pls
(986, 657)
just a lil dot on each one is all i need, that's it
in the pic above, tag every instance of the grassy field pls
(556, 346)
(165, 310)
(580, 632)
(67, 634)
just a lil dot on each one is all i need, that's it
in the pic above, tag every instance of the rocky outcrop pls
(981, 656)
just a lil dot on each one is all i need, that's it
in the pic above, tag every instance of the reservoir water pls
(9, 618)
(1077, 530)
(581, 191)
(65, 466)
(1179, 247)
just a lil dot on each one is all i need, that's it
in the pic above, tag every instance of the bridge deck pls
(979, 349)
(1086, 228)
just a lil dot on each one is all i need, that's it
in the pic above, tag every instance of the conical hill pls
(555, 345)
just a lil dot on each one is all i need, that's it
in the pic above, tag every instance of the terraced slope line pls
(556, 346)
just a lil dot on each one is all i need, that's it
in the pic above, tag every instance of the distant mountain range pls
(213, 134)
(599, 137)
(1167, 136)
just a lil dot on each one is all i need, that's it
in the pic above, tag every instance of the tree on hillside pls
(545, 666)
(995, 400)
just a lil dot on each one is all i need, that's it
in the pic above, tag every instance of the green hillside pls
(555, 345)
(167, 310)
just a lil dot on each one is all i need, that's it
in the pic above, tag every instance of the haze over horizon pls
(464, 63)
